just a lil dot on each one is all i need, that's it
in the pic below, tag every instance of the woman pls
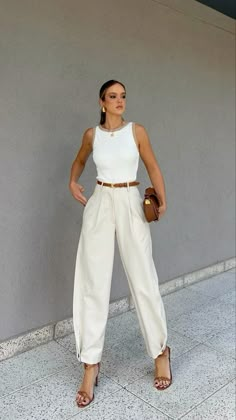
(115, 208)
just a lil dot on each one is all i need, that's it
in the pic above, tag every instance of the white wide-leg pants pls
(111, 211)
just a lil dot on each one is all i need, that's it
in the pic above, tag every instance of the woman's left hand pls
(162, 209)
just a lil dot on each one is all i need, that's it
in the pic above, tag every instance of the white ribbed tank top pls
(116, 157)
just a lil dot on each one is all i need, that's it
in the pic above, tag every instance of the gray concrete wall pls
(176, 59)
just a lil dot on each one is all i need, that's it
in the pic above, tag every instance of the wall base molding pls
(42, 335)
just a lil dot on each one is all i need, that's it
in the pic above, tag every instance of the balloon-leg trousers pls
(109, 212)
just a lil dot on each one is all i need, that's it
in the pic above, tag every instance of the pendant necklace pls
(112, 131)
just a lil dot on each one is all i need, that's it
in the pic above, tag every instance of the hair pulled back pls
(102, 93)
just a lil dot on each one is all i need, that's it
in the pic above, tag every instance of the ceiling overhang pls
(227, 7)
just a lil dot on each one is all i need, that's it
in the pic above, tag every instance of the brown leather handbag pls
(151, 205)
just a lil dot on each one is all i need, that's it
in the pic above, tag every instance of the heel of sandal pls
(96, 380)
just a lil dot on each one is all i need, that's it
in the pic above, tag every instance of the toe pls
(158, 384)
(82, 401)
(78, 399)
(166, 383)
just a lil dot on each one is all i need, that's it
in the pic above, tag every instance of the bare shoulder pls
(141, 132)
(139, 128)
(88, 136)
(88, 133)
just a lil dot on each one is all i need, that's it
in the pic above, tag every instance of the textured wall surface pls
(176, 59)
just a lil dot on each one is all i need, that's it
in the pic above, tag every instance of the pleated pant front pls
(109, 212)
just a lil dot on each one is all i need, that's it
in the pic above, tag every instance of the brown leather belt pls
(119, 184)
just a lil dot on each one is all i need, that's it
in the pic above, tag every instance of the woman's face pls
(115, 100)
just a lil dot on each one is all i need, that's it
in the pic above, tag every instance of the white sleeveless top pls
(116, 157)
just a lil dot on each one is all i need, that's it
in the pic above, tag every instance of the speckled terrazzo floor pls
(41, 384)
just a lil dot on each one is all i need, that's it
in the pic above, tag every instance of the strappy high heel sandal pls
(84, 394)
(164, 378)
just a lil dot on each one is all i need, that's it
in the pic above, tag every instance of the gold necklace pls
(114, 129)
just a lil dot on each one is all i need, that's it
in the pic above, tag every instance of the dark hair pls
(102, 92)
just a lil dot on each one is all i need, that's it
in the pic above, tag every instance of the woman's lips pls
(119, 106)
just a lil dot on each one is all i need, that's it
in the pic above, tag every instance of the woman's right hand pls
(77, 190)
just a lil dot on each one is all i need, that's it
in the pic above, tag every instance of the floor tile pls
(196, 375)
(121, 406)
(183, 301)
(215, 286)
(203, 321)
(219, 406)
(52, 398)
(121, 328)
(228, 298)
(68, 342)
(223, 340)
(30, 366)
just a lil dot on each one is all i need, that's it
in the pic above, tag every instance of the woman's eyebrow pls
(115, 93)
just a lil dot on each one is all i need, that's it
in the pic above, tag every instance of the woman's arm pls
(78, 166)
(149, 160)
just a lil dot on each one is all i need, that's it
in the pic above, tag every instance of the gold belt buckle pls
(112, 185)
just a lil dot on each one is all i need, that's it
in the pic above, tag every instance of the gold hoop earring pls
(103, 109)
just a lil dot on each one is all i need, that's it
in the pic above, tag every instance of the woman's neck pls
(113, 122)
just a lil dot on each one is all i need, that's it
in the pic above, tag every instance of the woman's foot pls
(85, 394)
(163, 375)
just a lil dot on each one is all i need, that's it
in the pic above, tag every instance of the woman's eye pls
(113, 96)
